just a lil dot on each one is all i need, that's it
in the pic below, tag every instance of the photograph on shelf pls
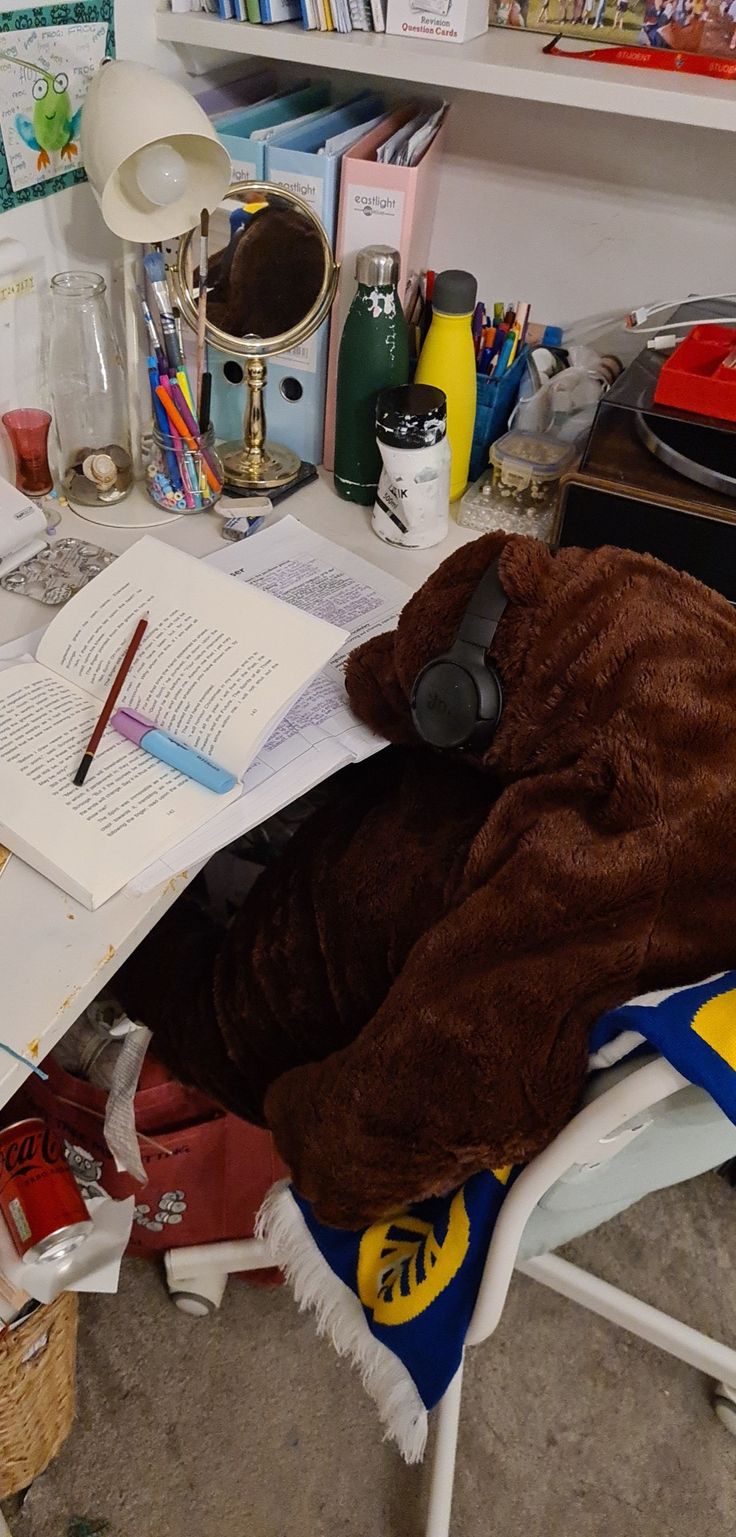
(687, 26)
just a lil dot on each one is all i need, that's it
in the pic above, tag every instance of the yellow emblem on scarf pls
(403, 1266)
(715, 1023)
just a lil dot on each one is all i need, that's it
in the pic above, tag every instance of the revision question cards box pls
(451, 21)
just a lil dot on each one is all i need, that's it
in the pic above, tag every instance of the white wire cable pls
(664, 343)
(663, 336)
(633, 321)
(680, 325)
(664, 332)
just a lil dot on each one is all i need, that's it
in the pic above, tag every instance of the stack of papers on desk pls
(319, 734)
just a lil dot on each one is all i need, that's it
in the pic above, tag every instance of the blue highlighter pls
(144, 733)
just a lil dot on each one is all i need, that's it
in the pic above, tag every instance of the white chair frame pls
(197, 1276)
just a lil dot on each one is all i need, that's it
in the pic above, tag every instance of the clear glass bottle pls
(88, 391)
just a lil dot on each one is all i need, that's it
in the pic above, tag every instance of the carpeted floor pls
(247, 1424)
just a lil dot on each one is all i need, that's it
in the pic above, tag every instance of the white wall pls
(578, 212)
(575, 211)
(581, 212)
(68, 226)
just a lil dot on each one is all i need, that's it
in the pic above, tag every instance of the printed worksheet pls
(320, 733)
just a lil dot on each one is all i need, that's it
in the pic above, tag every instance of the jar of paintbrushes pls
(184, 473)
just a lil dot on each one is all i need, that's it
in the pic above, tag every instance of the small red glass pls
(28, 431)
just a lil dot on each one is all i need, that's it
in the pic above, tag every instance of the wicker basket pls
(37, 1371)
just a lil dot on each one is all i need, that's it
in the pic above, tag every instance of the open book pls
(320, 734)
(219, 666)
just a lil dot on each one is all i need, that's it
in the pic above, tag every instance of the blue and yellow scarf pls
(398, 1297)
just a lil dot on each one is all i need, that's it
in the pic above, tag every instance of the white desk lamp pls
(154, 161)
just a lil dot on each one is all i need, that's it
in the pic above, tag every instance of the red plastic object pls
(670, 60)
(696, 379)
(208, 1171)
(28, 431)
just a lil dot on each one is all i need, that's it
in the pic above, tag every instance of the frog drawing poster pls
(44, 74)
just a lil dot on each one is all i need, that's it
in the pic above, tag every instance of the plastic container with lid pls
(518, 492)
(412, 505)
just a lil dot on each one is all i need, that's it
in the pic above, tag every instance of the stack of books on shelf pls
(315, 15)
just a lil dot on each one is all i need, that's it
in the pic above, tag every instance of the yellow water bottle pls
(447, 360)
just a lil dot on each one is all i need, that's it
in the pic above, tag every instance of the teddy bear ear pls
(374, 690)
(381, 673)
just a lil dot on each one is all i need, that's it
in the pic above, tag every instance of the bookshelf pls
(502, 64)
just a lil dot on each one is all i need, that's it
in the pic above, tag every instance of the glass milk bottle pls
(88, 391)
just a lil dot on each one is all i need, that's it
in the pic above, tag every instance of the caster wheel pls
(199, 1295)
(724, 1403)
(195, 1306)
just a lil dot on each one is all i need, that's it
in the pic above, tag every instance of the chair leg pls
(698, 1350)
(443, 1465)
(724, 1404)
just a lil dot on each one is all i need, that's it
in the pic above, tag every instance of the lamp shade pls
(150, 153)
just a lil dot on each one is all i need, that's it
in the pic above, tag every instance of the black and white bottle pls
(412, 506)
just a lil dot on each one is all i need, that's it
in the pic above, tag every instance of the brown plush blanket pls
(406, 996)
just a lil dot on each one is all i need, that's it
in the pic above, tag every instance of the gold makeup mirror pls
(271, 282)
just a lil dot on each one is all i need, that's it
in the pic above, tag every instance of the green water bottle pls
(374, 355)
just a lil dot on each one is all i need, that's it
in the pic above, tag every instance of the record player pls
(657, 480)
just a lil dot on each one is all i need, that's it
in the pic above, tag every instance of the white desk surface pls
(56, 956)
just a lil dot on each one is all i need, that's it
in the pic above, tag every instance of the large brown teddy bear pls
(406, 996)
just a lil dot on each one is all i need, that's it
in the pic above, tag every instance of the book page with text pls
(319, 577)
(90, 839)
(319, 734)
(219, 664)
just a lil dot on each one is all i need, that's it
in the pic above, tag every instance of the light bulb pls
(161, 173)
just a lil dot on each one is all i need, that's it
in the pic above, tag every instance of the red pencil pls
(110, 702)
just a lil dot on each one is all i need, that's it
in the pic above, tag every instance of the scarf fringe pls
(340, 1315)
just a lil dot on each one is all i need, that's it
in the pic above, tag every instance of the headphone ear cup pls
(456, 705)
(444, 703)
(489, 714)
(457, 698)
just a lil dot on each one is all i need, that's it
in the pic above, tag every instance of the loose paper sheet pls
(320, 733)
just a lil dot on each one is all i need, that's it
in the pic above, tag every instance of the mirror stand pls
(271, 281)
(254, 464)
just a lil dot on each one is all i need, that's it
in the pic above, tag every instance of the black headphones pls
(457, 698)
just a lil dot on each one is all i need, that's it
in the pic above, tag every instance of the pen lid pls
(377, 266)
(455, 292)
(130, 724)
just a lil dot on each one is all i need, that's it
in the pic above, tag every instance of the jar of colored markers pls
(184, 474)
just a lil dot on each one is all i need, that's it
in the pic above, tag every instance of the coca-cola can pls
(39, 1199)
